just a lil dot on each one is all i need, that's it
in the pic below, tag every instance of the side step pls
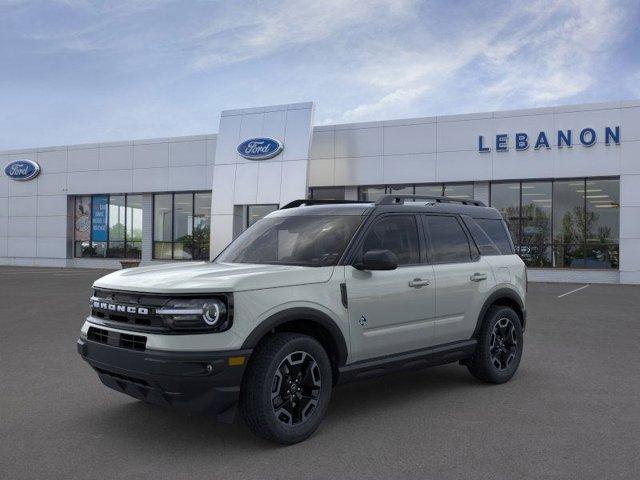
(427, 357)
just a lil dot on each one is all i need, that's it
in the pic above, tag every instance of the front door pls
(391, 311)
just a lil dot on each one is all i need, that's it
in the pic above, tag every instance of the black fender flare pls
(300, 314)
(498, 294)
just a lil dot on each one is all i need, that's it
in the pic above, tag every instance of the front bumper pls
(197, 381)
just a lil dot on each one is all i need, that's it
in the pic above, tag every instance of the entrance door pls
(391, 311)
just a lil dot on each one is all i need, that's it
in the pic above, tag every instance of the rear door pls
(462, 277)
(391, 311)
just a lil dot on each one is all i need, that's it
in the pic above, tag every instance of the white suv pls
(314, 294)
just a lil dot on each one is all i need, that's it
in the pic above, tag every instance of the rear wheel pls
(287, 387)
(499, 349)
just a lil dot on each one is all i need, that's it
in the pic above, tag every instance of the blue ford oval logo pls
(22, 170)
(260, 148)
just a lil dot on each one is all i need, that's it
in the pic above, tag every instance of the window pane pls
(162, 250)
(309, 240)
(183, 226)
(398, 234)
(400, 189)
(568, 256)
(162, 217)
(506, 198)
(370, 194)
(257, 212)
(449, 243)
(536, 223)
(603, 211)
(496, 229)
(568, 212)
(430, 190)
(327, 193)
(134, 218)
(115, 250)
(202, 226)
(463, 191)
(116, 218)
(602, 256)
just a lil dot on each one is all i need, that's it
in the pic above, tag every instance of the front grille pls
(134, 342)
(123, 340)
(136, 310)
(98, 335)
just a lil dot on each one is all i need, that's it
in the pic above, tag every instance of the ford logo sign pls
(22, 170)
(260, 148)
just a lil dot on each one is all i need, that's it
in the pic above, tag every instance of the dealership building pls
(566, 179)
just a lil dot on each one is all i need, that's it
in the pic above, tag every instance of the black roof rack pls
(308, 202)
(399, 199)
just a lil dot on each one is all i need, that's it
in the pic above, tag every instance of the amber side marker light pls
(236, 361)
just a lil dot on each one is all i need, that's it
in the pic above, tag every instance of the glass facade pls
(108, 226)
(326, 193)
(562, 223)
(256, 212)
(453, 190)
(181, 225)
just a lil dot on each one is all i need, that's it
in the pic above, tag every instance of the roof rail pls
(309, 202)
(400, 199)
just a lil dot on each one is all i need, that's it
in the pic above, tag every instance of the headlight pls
(210, 314)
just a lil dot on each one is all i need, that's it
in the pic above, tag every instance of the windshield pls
(310, 240)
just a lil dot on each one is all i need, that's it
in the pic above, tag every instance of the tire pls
(499, 349)
(286, 388)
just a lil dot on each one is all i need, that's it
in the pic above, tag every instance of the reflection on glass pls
(506, 198)
(370, 194)
(568, 212)
(134, 226)
(201, 223)
(463, 191)
(162, 217)
(257, 212)
(535, 248)
(182, 225)
(430, 190)
(602, 223)
(327, 193)
(400, 189)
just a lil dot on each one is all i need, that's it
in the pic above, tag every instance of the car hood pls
(211, 277)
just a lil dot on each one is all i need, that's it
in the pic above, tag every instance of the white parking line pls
(573, 291)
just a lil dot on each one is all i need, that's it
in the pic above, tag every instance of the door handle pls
(418, 282)
(478, 277)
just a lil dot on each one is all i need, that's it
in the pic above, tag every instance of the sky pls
(77, 71)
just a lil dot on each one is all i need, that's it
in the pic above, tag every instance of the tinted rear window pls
(497, 232)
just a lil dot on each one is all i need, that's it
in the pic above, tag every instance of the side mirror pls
(378, 260)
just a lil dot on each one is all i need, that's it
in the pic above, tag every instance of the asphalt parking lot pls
(572, 411)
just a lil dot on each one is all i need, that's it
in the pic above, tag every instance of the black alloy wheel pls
(296, 388)
(286, 388)
(504, 344)
(499, 348)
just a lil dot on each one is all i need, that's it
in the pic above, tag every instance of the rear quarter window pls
(497, 231)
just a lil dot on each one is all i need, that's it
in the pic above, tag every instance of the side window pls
(397, 233)
(449, 242)
(497, 232)
(480, 237)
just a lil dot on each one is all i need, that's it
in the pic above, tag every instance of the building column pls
(147, 227)
(629, 229)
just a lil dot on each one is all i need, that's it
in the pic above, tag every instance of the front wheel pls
(499, 349)
(287, 387)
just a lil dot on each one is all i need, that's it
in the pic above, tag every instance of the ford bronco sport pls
(314, 294)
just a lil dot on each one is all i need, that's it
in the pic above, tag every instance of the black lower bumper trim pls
(197, 381)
